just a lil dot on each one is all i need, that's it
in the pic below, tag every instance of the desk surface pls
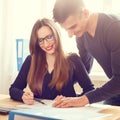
(5, 101)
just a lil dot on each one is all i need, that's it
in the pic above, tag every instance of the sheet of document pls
(48, 103)
(90, 112)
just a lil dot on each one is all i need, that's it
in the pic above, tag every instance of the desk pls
(5, 101)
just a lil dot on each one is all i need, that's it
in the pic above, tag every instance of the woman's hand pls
(64, 102)
(28, 98)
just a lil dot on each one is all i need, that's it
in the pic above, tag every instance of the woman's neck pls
(50, 61)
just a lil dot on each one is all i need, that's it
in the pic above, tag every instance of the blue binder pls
(22, 48)
(19, 49)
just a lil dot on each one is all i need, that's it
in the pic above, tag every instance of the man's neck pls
(92, 24)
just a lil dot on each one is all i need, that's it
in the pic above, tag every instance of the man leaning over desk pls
(97, 36)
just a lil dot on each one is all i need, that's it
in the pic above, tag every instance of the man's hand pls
(64, 102)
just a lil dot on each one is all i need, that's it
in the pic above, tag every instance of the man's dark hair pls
(64, 8)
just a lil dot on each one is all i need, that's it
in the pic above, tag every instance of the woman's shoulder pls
(28, 58)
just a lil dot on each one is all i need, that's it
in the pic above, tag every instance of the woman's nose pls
(46, 43)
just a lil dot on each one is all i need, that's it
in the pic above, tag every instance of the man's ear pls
(85, 13)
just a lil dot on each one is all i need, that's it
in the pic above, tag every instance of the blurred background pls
(17, 18)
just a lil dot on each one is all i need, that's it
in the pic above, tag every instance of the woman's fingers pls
(28, 98)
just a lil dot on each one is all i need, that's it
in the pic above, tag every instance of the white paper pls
(90, 112)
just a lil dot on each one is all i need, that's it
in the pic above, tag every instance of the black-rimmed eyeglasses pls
(48, 38)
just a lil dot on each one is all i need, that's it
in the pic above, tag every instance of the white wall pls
(16, 20)
(1, 11)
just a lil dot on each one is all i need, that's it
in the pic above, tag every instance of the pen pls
(39, 100)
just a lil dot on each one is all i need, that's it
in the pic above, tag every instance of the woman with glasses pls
(47, 70)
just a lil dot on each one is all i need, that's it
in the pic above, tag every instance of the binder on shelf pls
(22, 48)
(19, 49)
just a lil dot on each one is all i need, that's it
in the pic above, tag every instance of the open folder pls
(47, 112)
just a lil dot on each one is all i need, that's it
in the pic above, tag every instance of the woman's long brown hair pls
(38, 63)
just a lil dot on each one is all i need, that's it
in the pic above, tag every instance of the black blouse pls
(79, 75)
